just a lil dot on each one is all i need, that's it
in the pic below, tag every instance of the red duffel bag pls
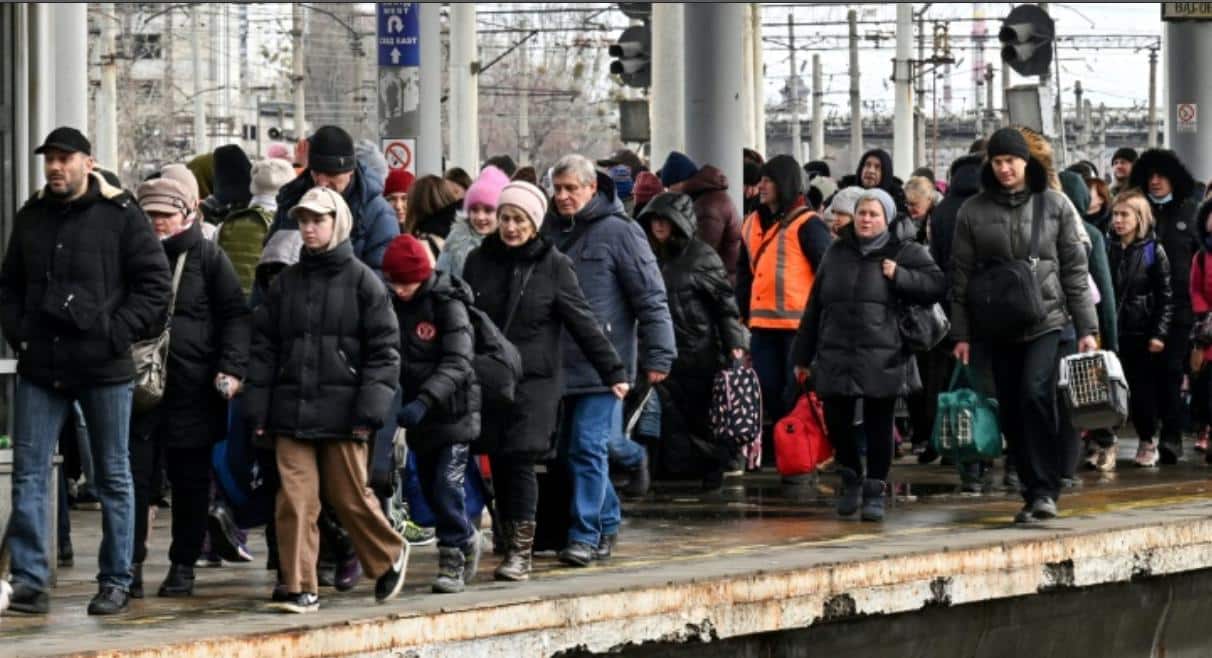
(800, 440)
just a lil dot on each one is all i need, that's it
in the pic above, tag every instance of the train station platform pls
(690, 568)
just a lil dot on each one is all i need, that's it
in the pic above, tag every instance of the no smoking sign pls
(1188, 117)
(399, 153)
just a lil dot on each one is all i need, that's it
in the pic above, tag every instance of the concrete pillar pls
(902, 127)
(747, 86)
(818, 110)
(464, 89)
(429, 138)
(1188, 42)
(41, 87)
(713, 88)
(759, 80)
(856, 99)
(201, 142)
(298, 73)
(667, 109)
(69, 35)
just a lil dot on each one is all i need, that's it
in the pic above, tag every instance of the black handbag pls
(1004, 299)
(923, 327)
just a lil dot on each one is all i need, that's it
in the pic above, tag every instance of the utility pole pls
(195, 38)
(359, 92)
(166, 88)
(818, 114)
(902, 129)
(1152, 138)
(919, 118)
(989, 97)
(298, 78)
(464, 88)
(794, 94)
(856, 101)
(1080, 142)
(523, 106)
(107, 95)
(1005, 88)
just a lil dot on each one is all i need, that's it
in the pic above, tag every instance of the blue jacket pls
(374, 222)
(622, 282)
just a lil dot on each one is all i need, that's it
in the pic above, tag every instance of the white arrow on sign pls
(395, 24)
(395, 55)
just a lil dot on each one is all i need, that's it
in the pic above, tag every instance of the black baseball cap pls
(624, 157)
(65, 138)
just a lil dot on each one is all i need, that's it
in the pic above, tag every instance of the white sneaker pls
(1146, 455)
(6, 593)
(298, 603)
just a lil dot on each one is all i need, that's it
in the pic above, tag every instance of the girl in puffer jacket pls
(1140, 272)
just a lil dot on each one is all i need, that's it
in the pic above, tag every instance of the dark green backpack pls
(242, 236)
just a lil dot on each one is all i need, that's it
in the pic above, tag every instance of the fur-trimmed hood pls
(1166, 163)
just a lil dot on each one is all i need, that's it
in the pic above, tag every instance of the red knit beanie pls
(406, 260)
(398, 180)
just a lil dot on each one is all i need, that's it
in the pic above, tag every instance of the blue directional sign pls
(399, 34)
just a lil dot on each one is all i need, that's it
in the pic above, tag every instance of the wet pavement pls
(675, 530)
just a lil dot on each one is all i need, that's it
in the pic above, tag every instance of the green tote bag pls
(965, 424)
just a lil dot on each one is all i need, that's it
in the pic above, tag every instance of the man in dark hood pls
(875, 170)
(233, 184)
(719, 223)
(1121, 167)
(1170, 187)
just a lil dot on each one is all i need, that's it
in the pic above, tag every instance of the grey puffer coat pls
(995, 226)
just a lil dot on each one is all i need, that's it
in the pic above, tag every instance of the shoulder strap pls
(513, 308)
(1037, 222)
(172, 301)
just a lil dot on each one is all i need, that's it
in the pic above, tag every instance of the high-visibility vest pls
(782, 275)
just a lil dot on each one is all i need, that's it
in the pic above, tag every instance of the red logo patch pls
(426, 331)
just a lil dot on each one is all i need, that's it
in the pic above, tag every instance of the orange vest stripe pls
(782, 277)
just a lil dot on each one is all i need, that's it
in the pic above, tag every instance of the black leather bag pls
(923, 327)
(1004, 299)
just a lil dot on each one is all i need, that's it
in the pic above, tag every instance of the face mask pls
(1162, 200)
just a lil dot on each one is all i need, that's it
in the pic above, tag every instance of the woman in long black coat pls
(530, 291)
(208, 351)
(849, 342)
(709, 334)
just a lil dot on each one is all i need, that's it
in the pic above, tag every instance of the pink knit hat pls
(527, 198)
(486, 189)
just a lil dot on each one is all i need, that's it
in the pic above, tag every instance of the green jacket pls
(1100, 270)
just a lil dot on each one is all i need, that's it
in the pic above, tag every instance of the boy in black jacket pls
(441, 398)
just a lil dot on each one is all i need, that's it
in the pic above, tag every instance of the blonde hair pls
(920, 187)
(1139, 205)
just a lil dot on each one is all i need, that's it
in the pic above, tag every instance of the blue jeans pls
(419, 510)
(624, 452)
(771, 351)
(442, 473)
(39, 414)
(594, 420)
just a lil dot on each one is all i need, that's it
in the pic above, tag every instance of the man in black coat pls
(84, 277)
(1169, 187)
(875, 170)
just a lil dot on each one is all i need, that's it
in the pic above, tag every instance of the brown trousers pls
(336, 471)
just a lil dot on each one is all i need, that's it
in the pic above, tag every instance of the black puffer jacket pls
(551, 302)
(1140, 273)
(965, 179)
(211, 327)
(81, 281)
(437, 345)
(1174, 223)
(706, 322)
(849, 336)
(325, 353)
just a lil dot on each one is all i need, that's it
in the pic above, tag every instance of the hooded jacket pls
(437, 346)
(702, 303)
(211, 327)
(1174, 224)
(965, 179)
(461, 241)
(995, 225)
(1141, 273)
(81, 281)
(814, 235)
(325, 352)
(1076, 190)
(622, 282)
(719, 223)
(888, 182)
(374, 222)
(850, 334)
(550, 305)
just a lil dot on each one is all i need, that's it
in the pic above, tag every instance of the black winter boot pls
(179, 581)
(873, 500)
(850, 497)
(519, 544)
(450, 570)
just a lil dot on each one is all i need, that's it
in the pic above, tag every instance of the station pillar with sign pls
(1188, 107)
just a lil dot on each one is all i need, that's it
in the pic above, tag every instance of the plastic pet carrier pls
(1094, 388)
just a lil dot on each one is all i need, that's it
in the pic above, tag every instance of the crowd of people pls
(362, 360)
